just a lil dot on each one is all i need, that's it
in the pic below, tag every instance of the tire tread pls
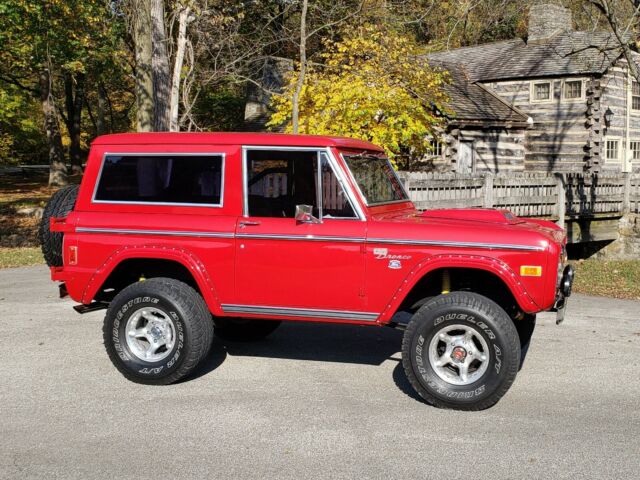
(196, 317)
(488, 307)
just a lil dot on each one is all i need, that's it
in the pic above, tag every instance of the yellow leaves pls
(374, 86)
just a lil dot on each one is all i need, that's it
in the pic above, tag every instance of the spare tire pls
(59, 206)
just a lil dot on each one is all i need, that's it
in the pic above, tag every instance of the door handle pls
(247, 223)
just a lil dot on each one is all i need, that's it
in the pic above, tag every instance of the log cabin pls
(558, 101)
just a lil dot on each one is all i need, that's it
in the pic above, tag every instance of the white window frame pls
(633, 82)
(436, 144)
(615, 161)
(631, 151)
(532, 92)
(581, 98)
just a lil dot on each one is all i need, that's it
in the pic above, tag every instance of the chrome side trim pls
(307, 238)
(170, 233)
(301, 312)
(441, 243)
(161, 204)
(310, 238)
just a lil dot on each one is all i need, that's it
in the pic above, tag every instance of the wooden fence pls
(557, 196)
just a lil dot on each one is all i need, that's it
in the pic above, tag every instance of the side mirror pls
(303, 214)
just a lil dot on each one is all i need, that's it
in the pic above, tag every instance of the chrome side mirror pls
(304, 214)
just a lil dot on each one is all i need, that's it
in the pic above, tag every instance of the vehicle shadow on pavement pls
(312, 341)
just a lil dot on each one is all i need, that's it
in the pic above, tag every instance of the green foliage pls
(373, 85)
(70, 38)
(220, 110)
(21, 139)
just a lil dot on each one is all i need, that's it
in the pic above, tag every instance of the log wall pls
(559, 138)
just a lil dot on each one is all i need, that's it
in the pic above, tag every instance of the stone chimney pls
(547, 19)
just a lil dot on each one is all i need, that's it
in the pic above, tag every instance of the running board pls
(92, 307)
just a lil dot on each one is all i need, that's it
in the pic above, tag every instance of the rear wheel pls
(59, 206)
(244, 329)
(157, 331)
(461, 351)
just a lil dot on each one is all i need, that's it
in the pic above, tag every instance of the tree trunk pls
(144, 77)
(74, 97)
(183, 21)
(101, 127)
(295, 101)
(160, 68)
(57, 167)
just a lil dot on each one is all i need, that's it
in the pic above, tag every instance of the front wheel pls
(157, 331)
(461, 351)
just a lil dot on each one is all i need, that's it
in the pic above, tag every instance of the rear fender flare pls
(434, 262)
(184, 257)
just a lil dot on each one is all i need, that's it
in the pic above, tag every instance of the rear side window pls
(161, 179)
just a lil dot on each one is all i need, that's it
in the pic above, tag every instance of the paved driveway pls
(312, 401)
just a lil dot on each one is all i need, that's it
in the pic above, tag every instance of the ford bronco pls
(181, 236)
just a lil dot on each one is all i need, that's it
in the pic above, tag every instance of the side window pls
(572, 90)
(334, 199)
(161, 179)
(278, 180)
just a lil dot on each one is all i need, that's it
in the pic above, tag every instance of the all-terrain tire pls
(244, 329)
(59, 206)
(435, 343)
(192, 330)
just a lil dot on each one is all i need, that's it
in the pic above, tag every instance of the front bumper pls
(563, 293)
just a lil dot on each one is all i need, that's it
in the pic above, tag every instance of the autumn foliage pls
(374, 85)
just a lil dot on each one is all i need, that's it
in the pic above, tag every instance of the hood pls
(475, 224)
(486, 215)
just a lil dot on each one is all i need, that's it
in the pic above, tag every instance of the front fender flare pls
(184, 257)
(480, 262)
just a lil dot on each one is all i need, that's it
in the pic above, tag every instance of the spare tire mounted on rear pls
(59, 206)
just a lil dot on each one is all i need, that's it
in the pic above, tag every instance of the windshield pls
(376, 179)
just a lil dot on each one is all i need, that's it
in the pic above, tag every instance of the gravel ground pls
(312, 401)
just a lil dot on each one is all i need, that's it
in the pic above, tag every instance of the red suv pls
(183, 235)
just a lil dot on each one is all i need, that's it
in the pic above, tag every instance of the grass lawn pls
(20, 257)
(608, 278)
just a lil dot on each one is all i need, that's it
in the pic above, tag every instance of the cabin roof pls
(565, 54)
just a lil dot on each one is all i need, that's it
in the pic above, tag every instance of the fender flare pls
(162, 252)
(480, 262)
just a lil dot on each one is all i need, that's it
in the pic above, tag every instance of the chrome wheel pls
(459, 354)
(150, 334)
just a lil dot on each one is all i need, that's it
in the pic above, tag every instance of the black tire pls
(59, 206)
(244, 329)
(489, 323)
(192, 325)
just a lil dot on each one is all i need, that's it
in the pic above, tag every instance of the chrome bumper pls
(563, 293)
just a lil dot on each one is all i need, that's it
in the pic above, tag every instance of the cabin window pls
(541, 92)
(635, 151)
(436, 148)
(612, 150)
(572, 90)
(635, 96)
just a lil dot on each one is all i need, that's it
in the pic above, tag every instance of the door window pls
(279, 180)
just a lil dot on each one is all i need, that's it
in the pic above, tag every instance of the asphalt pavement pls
(311, 401)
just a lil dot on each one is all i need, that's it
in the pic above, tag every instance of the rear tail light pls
(73, 255)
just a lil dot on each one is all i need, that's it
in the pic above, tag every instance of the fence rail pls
(557, 196)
